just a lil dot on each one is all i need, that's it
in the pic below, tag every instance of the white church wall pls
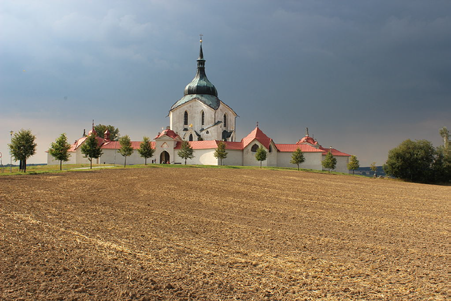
(312, 160)
(112, 156)
(203, 157)
(271, 157)
(231, 121)
(342, 164)
(234, 158)
(194, 109)
(249, 156)
(72, 159)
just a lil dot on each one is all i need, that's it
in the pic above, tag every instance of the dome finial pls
(201, 53)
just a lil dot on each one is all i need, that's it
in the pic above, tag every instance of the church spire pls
(201, 53)
(200, 84)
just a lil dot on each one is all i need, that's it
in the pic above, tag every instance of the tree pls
(297, 157)
(373, 168)
(60, 150)
(445, 135)
(114, 132)
(186, 152)
(353, 164)
(441, 167)
(22, 147)
(91, 148)
(220, 152)
(260, 155)
(412, 161)
(145, 149)
(126, 149)
(329, 161)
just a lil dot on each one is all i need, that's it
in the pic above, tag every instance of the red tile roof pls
(169, 133)
(258, 135)
(117, 145)
(305, 148)
(334, 151)
(234, 145)
(308, 139)
(80, 141)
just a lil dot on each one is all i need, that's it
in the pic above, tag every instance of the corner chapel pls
(204, 120)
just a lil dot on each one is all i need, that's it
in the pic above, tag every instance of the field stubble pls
(215, 234)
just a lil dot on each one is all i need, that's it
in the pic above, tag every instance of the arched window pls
(270, 148)
(254, 148)
(190, 137)
(225, 120)
(203, 117)
(185, 118)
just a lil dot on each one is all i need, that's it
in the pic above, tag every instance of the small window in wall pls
(270, 148)
(254, 148)
(185, 118)
(203, 117)
(190, 137)
(225, 120)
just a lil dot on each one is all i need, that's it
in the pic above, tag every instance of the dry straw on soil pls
(218, 234)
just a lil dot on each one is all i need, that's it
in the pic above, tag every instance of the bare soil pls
(221, 234)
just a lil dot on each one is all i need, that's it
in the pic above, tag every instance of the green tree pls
(126, 149)
(373, 168)
(297, 157)
(329, 161)
(91, 148)
(22, 147)
(412, 161)
(260, 155)
(353, 164)
(186, 152)
(114, 132)
(441, 167)
(445, 135)
(145, 149)
(220, 152)
(60, 149)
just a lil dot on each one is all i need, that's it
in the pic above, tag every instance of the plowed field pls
(221, 234)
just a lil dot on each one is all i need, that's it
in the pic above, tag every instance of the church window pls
(185, 118)
(254, 148)
(225, 120)
(203, 118)
(190, 137)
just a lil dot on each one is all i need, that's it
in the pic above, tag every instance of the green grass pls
(42, 169)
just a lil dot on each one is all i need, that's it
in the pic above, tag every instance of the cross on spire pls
(201, 35)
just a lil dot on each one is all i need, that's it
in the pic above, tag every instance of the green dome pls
(200, 84)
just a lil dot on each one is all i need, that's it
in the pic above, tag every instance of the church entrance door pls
(164, 158)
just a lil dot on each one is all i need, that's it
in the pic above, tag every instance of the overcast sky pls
(362, 75)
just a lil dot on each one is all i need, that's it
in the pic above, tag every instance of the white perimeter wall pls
(312, 160)
(234, 157)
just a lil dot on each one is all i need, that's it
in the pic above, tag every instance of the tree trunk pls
(24, 165)
(125, 161)
(61, 164)
(145, 161)
(90, 162)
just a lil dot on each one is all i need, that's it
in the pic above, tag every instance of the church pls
(204, 120)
